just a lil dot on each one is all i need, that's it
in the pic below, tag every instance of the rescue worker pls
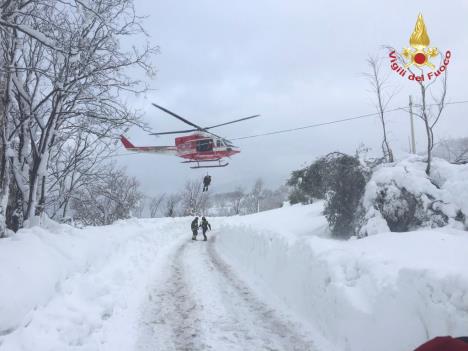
(206, 182)
(205, 225)
(194, 227)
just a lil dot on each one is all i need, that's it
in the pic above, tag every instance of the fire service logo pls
(419, 56)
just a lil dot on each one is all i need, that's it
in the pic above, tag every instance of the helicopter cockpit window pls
(218, 143)
(227, 142)
(204, 145)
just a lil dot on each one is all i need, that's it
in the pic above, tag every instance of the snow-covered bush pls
(309, 183)
(340, 180)
(345, 183)
(296, 196)
(401, 197)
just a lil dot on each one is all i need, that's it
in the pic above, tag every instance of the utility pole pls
(413, 141)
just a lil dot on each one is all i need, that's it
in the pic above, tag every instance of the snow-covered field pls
(273, 280)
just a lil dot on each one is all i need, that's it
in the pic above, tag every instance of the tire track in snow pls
(172, 322)
(199, 303)
(183, 312)
(278, 333)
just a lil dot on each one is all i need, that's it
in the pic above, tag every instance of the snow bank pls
(64, 288)
(388, 292)
(401, 197)
(296, 220)
(67, 289)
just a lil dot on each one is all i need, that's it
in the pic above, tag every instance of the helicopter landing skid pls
(207, 166)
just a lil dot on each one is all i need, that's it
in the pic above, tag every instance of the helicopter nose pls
(234, 149)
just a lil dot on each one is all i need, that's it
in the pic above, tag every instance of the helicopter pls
(202, 148)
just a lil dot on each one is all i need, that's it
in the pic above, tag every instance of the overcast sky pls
(295, 62)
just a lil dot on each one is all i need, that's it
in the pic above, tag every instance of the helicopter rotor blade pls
(197, 127)
(177, 116)
(175, 132)
(235, 121)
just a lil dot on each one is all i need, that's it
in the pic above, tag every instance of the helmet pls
(203, 218)
(196, 217)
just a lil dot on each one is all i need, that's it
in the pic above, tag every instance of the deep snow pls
(388, 292)
(445, 191)
(64, 288)
(141, 284)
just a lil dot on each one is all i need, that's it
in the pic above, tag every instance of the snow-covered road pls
(269, 281)
(198, 303)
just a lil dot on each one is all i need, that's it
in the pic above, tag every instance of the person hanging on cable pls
(194, 227)
(206, 182)
(205, 225)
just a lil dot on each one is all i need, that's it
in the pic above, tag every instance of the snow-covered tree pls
(112, 196)
(155, 204)
(402, 197)
(63, 86)
(171, 205)
(236, 199)
(430, 111)
(194, 200)
(74, 163)
(252, 202)
(340, 180)
(452, 150)
(309, 183)
(274, 198)
(380, 87)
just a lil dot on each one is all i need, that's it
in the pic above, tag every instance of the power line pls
(282, 131)
(127, 154)
(314, 125)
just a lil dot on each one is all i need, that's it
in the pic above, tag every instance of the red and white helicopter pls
(201, 147)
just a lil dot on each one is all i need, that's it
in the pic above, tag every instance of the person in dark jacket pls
(206, 182)
(205, 225)
(194, 227)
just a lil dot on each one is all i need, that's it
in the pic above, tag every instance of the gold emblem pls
(418, 55)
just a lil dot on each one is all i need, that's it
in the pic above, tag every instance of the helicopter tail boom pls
(169, 150)
(126, 143)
